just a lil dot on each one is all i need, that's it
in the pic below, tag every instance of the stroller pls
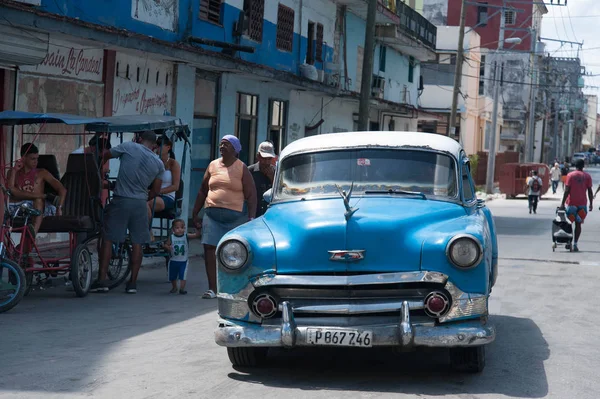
(562, 231)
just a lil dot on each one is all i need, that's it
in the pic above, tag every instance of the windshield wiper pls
(399, 192)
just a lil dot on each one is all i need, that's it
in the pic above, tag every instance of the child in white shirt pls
(178, 245)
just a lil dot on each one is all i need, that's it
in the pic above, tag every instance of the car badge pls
(347, 256)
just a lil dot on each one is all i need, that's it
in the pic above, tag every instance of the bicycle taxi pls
(76, 258)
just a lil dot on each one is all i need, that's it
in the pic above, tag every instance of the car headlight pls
(233, 254)
(464, 251)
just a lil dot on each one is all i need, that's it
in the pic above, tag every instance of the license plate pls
(331, 337)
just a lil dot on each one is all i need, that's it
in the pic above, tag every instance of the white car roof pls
(338, 141)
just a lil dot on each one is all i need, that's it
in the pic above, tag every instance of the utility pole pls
(556, 145)
(489, 181)
(531, 136)
(458, 71)
(367, 69)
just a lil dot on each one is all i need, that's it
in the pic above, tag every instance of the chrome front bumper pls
(404, 333)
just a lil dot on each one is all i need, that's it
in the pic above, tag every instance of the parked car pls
(371, 239)
(579, 155)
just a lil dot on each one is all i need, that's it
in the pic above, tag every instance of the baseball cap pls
(266, 150)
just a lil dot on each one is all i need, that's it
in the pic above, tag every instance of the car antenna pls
(346, 197)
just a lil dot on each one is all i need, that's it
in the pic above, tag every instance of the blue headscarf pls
(235, 142)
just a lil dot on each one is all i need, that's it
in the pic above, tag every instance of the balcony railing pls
(414, 24)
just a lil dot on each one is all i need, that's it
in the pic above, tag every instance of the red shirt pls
(578, 182)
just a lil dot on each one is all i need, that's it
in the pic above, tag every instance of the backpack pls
(535, 184)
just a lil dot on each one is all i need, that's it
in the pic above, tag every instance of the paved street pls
(155, 345)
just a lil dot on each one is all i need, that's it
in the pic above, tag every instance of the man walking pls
(139, 168)
(535, 190)
(555, 174)
(263, 173)
(578, 184)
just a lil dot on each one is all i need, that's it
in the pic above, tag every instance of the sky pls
(579, 22)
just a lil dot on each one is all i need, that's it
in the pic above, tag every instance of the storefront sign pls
(162, 13)
(150, 93)
(70, 61)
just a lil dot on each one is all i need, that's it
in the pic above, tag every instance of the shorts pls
(49, 209)
(577, 213)
(177, 270)
(219, 221)
(123, 214)
(169, 202)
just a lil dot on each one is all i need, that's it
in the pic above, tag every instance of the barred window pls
(255, 10)
(210, 10)
(319, 42)
(285, 28)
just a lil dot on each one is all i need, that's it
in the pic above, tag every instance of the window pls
(482, 76)
(246, 119)
(382, 57)
(482, 15)
(210, 10)
(277, 112)
(310, 49)
(285, 28)
(509, 17)
(411, 70)
(467, 185)
(255, 12)
(320, 42)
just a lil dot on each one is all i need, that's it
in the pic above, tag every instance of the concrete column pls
(184, 108)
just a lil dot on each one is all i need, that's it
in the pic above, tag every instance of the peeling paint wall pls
(162, 13)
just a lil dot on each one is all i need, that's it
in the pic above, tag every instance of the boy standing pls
(578, 184)
(178, 245)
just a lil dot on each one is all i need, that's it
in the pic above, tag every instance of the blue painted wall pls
(117, 13)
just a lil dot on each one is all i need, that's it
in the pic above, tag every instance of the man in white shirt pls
(555, 174)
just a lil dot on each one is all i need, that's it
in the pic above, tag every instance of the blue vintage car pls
(370, 239)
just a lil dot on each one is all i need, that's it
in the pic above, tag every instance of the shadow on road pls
(55, 342)
(515, 367)
(523, 224)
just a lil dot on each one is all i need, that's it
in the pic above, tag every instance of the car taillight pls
(264, 306)
(436, 304)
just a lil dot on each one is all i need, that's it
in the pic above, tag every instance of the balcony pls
(385, 10)
(412, 35)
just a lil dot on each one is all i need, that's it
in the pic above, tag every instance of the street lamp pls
(513, 40)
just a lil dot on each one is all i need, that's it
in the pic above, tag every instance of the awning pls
(138, 123)
(11, 118)
(22, 46)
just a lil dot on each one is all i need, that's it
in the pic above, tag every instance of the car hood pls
(390, 231)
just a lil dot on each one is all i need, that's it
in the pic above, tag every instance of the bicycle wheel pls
(12, 285)
(119, 267)
(81, 270)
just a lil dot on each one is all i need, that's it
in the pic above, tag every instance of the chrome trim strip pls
(364, 279)
(458, 237)
(360, 308)
(288, 326)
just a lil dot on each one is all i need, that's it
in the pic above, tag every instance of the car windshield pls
(369, 171)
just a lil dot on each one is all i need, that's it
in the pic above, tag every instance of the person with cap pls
(263, 173)
(139, 169)
(228, 196)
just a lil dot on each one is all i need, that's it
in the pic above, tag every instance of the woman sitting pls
(170, 178)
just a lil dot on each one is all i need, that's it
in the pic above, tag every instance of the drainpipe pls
(300, 61)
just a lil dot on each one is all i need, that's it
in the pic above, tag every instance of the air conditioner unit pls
(378, 86)
(332, 79)
(377, 92)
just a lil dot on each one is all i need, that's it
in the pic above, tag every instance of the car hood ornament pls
(346, 197)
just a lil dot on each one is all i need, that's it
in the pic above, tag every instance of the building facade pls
(262, 70)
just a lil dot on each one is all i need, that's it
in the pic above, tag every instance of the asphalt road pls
(156, 345)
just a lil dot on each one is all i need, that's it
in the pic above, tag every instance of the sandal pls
(209, 295)
(173, 291)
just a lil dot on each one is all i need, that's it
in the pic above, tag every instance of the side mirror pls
(268, 196)
(480, 203)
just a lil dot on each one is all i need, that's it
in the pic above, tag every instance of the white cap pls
(266, 150)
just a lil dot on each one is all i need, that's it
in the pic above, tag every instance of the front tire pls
(12, 286)
(247, 357)
(468, 360)
(81, 270)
